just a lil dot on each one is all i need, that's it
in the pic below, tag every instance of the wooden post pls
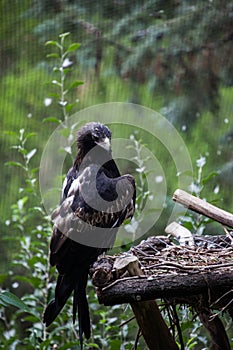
(215, 327)
(153, 327)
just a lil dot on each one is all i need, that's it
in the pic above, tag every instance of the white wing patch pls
(74, 187)
(63, 187)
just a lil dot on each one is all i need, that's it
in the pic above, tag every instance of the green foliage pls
(35, 281)
(198, 223)
(31, 274)
(176, 49)
(63, 69)
(155, 53)
(149, 53)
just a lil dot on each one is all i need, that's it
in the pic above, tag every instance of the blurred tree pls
(180, 49)
(17, 40)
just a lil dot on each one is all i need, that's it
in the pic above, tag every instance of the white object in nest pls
(181, 233)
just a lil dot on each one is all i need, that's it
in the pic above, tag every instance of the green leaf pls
(15, 164)
(65, 132)
(11, 299)
(52, 55)
(188, 225)
(12, 133)
(70, 344)
(73, 47)
(56, 69)
(52, 120)
(191, 343)
(30, 134)
(37, 209)
(2, 303)
(75, 84)
(66, 70)
(31, 319)
(115, 344)
(207, 178)
(70, 106)
(52, 43)
(33, 281)
(94, 346)
(35, 170)
(54, 95)
(22, 150)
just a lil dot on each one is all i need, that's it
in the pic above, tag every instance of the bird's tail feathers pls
(80, 303)
(63, 290)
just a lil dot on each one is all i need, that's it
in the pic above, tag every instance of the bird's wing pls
(119, 194)
(95, 199)
(74, 211)
(71, 176)
(60, 217)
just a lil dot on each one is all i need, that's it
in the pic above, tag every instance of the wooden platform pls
(169, 271)
(180, 268)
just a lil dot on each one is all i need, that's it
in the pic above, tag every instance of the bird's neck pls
(97, 156)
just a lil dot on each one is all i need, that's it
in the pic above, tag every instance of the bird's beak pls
(105, 143)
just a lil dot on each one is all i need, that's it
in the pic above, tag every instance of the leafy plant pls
(197, 223)
(62, 69)
(31, 280)
(30, 266)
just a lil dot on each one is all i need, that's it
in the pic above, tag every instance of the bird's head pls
(94, 134)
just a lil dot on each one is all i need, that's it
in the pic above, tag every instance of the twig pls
(170, 264)
(122, 279)
(222, 296)
(220, 311)
(177, 323)
(127, 321)
(138, 335)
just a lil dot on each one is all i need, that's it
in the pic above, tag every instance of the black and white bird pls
(95, 201)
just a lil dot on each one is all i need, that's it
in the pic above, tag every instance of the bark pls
(153, 327)
(178, 286)
(202, 207)
(214, 326)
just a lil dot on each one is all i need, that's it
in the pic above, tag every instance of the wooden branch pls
(180, 286)
(202, 207)
(216, 330)
(152, 325)
(148, 316)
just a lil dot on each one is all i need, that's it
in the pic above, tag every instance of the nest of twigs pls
(161, 255)
(202, 273)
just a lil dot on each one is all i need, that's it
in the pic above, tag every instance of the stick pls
(200, 206)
